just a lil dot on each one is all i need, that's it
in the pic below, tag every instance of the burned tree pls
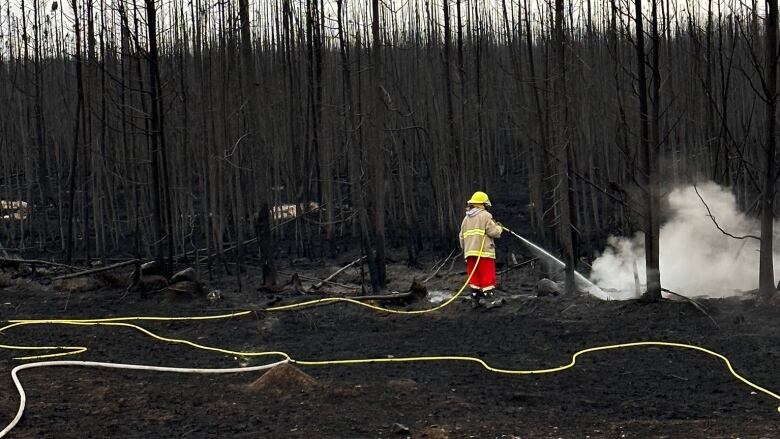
(562, 147)
(378, 281)
(354, 153)
(79, 115)
(649, 149)
(381, 121)
(766, 263)
(160, 188)
(263, 226)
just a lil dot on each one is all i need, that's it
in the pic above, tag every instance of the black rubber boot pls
(476, 297)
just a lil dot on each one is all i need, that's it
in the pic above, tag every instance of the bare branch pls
(709, 214)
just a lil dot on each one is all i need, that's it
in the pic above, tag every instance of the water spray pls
(121, 321)
(582, 282)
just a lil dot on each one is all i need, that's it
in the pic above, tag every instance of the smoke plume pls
(696, 258)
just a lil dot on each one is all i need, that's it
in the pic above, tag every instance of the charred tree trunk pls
(451, 129)
(351, 139)
(766, 282)
(565, 193)
(76, 134)
(539, 148)
(264, 235)
(40, 126)
(650, 156)
(378, 163)
(155, 133)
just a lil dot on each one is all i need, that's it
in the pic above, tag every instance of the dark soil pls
(634, 393)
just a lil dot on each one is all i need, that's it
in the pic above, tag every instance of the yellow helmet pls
(479, 198)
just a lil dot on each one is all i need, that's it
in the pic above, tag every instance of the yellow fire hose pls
(121, 322)
(116, 321)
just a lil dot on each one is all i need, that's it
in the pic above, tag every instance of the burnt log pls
(546, 287)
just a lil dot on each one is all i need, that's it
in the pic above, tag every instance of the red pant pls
(484, 277)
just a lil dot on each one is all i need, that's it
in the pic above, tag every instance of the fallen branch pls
(314, 279)
(249, 241)
(441, 261)
(97, 270)
(12, 261)
(452, 262)
(440, 267)
(521, 264)
(232, 247)
(339, 271)
(696, 305)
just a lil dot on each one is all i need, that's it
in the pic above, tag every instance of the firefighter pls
(478, 225)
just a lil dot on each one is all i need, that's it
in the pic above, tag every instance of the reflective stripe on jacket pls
(476, 224)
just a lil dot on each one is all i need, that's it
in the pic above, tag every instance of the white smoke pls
(696, 259)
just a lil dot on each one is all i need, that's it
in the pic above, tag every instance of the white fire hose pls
(23, 396)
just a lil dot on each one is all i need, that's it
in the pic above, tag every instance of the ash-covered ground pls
(632, 393)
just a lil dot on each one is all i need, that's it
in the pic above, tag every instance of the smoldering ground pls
(695, 257)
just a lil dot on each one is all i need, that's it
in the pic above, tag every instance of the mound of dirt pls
(402, 385)
(432, 432)
(283, 380)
